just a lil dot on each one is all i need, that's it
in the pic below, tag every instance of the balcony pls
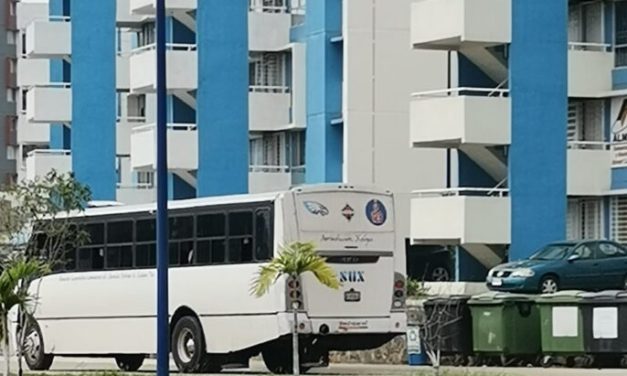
(459, 24)
(124, 16)
(32, 133)
(269, 178)
(148, 7)
(182, 68)
(268, 27)
(122, 75)
(461, 216)
(49, 38)
(461, 116)
(124, 129)
(136, 194)
(590, 68)
(181, 137)
(32, 72)
(269, 108)
(49, 104)
(589, 168)
(40, 162)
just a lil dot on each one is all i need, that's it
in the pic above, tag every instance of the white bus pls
(103, 304)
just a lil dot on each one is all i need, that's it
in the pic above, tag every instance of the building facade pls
(499, 124)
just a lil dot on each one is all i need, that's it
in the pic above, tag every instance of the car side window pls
(609, 250)
(584, 252)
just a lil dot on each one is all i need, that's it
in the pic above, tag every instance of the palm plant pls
(14, 295)
(294, 260)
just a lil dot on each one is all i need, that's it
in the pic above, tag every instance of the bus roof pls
(116, 208)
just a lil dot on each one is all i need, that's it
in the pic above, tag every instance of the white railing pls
(53, 85)
(49, 152)
(589, 145)
(168, 47)
(132, 119)
(458, 91)
(585, 46)
(447, 192)
(620, 154)
(171, 127)
(268, 89)
(136, 186)
(269, 169)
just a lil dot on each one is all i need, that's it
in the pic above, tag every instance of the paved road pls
(257, 368)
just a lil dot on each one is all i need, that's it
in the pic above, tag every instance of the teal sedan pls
(585, 265)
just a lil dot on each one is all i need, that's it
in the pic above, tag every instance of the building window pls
(621, 33)
(11, 95)
(267, 72)
(11, 37)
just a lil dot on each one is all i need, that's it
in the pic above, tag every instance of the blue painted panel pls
(619, 178)
(181, 33)
(94, 93)
(619, 78)
(537, 157)
(471, 175)
(324, 92)
(471, 76)
(222, 109)
(608, 22)
(60, 71)
(298, 34)
(467, 268)
(181, 112)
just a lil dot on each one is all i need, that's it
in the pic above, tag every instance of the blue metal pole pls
(163, 340)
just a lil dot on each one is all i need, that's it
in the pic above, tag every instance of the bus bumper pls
(395, 323)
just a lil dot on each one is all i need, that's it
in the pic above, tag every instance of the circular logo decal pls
(376, 213)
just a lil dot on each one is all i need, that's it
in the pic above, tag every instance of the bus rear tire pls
(278, 360)
(129, 362)
(34, 355)
(188, 347)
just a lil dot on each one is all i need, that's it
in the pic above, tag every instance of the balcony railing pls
(131, 119)
(259, 6)
(269, 168)
(589, 145)
(586, 46)
(170, 126)
(456, 192)
(620, 154)
(459, 91)
(268, 89)
(168, 47)
(49, 152)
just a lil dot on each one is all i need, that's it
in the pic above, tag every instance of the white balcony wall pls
(40, 162)
(124, 16)
(268, 31)
(589, 171)
(148, 7)
(182, 70)
(589, 72)
(49, 105)
(32, 133)
(460, 220)
(48, 39)
(456, 120)
(133, 195)
(180, 137)
(33, 72)
(124, 129)
(299, 85)
(269, 111)
(268, 181)
(28, 12)
(123, 78)
(455, 24)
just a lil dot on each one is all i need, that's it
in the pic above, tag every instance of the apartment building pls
(8, 141)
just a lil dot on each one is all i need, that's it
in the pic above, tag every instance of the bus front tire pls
(129, 362)
(34, 355)
(188, 347)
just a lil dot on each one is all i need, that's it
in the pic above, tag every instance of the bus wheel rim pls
(186, 345)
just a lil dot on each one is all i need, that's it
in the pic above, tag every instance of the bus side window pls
(262, 235)
(240, 248)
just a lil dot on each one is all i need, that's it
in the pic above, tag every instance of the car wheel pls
(440, 274)
(549, 285)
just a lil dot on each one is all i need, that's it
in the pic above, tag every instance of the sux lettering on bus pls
(352, 276)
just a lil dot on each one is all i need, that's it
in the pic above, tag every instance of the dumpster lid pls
(609, 296)
(497, 297)
(566, 296)
(455, 299)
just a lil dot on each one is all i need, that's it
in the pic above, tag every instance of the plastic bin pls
(452, 315)
(506, 325)
(415, 353)
(561, 327)
(605, 324)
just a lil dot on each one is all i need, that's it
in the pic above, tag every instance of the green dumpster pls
(561, 327)
(506, 325)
